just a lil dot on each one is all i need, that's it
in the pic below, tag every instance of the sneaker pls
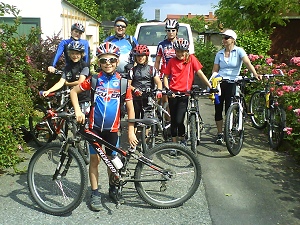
(220, 139)
(173, 152)
(96, 204)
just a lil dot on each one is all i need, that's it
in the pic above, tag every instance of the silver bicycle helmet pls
(76, 46)
(77, 26)
(181, 44)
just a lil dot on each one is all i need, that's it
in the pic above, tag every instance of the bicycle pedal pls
(250, 114)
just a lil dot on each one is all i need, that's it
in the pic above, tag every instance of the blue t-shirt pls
(62, 48)
(230, 68)
(125, 49)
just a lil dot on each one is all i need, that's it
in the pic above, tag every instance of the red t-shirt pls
(182, 74)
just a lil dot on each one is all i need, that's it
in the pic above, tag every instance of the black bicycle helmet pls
(141, 50)
(77, 26)
(172, 24)
(121, 18)
(181, 44)
(107, 48)
(76, 46)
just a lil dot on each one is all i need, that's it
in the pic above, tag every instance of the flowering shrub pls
(289, 93)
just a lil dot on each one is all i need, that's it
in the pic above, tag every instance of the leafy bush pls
(15, 101)
(23, 60)
(205, 52)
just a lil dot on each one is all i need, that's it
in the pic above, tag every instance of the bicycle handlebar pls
(56, 94)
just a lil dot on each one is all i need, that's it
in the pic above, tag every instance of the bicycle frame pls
(97, 143)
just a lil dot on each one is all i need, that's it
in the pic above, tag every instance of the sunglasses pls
(120, 26)
(226, 37)
(171, 30)
(110, 60)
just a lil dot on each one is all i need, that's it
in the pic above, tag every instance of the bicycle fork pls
(64, 153)
(240, 118)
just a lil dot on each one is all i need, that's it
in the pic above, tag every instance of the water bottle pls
(116, 161)
(217, 100)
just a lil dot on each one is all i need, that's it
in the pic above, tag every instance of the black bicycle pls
(159, 126)
(267, 112)
(57, 175)
(194, 122)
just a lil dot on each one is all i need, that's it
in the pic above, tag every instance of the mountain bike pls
(235, 116)
(44, 126)
(150, 131)
(47, 124)
(57, 176)
(194, 121)
(267, 112)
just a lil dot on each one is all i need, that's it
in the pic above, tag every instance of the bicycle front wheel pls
(276, 125)
(234, 130)
(193, 133)
(257, 107)
(148, 137)
(63, 194)
(40, 126)
(163, 191)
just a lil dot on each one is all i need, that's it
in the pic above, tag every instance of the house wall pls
(57, 17)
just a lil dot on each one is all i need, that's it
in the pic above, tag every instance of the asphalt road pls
(258, 186)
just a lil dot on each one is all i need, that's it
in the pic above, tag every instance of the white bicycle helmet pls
(172, 24)
(107, 48)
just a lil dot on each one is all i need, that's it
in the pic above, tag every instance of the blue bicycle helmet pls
(121, 18)
(107, 48)
(76, 46)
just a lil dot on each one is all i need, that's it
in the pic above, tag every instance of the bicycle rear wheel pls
(276, 125)
(234, 130)
(193, 133)
(162, 191)
(39, 126)
(257, 107)
(63, 194)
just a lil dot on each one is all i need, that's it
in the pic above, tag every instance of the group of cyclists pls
(174, 71)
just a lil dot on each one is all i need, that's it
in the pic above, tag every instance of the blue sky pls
(181, 7)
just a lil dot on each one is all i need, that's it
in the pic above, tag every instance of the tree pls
(253, 15)
(108, 10)
(131, 9)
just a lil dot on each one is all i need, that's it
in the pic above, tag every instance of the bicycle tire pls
(233, 137)
(148, 140)
(39, 129)
(174, 191)
(166, 125)
(276, 125)
(63, 195)
(193, 133)
(81, 144)
(257, 107)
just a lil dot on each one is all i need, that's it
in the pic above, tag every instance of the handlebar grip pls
(41, 93)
